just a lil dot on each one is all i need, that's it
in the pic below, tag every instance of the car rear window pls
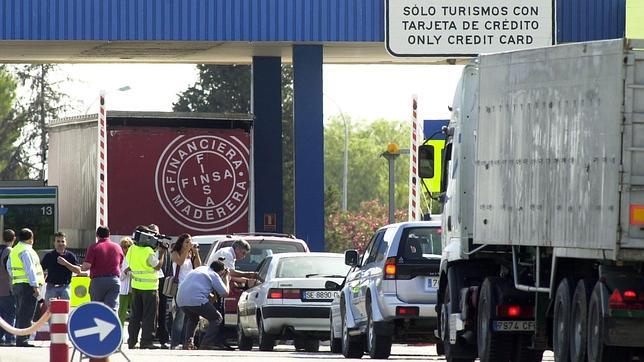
(420, 243)
(311, 267)
(260, 250)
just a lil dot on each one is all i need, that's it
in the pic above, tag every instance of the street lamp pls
(345, 164)
(393, 151)
(124, 88)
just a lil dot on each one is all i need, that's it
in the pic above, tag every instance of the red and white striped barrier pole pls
(414, 194)
(58, 349)
(101, 173)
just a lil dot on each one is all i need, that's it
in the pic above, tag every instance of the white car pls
(262, 245)
(291, 301)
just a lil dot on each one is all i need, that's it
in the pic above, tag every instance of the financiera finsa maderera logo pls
(202, 182)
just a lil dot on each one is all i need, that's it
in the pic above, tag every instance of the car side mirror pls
(331, 285)
(426, 161)
(351, 257)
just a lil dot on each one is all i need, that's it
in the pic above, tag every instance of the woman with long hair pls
(185, 257)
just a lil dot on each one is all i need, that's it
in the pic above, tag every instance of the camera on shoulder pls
(145, 237)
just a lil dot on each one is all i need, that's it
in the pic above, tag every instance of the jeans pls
(56, 292)
(25, 308)
(105, 290)
(162, 315)
(207, 311)
(143, 317)
(124, 306)
(177, 335)
(8, 313)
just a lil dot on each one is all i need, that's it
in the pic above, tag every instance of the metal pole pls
(392, 200)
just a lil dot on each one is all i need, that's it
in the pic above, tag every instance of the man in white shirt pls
(229, 255)
(195, 296)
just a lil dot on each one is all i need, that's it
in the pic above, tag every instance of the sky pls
(362, 92)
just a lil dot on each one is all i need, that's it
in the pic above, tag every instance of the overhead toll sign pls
(466, 27)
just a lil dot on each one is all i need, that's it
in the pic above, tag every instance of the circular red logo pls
(202, 182)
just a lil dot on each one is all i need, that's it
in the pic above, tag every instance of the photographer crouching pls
(144, 265)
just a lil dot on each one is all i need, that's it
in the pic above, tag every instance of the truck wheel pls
(578, 322)
(596, 350)
(448, 349)
(266, 341)
(243, 342)
(492, 346)
(379, 347)
(335, 343)
(523, 353)
(352, 346)
(561, 321)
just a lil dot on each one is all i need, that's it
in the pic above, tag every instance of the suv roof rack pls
(290, 236)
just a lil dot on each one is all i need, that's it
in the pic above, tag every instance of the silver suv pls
(390, 293)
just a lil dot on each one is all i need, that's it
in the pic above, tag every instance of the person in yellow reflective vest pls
(27, 276)
(143, 266)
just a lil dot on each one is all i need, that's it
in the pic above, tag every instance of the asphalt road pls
(281, 353)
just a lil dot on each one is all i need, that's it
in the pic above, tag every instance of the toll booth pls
(30, 205)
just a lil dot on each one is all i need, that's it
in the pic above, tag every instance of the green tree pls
(288, 168)
(11, 156)
(44, 102)
(368, 171)
(219, 89)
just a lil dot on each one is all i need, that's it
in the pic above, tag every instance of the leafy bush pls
(353, 229)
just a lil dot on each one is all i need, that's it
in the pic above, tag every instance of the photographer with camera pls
(185, 257)
(144, 266)
(196, 293)
(103, 260)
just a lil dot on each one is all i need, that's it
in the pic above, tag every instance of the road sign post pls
(95, 330)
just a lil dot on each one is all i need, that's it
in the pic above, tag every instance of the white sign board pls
(466, 27)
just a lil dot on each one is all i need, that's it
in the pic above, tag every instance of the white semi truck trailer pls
(543, 223)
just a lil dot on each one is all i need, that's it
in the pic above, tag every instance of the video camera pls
(146, 237)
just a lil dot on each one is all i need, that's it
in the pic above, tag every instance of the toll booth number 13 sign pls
(466, 27)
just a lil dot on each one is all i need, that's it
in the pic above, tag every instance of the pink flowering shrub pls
(353, 229)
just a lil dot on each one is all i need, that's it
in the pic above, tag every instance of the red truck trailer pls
(186, 172)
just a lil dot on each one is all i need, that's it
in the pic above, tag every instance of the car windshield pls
(312, 266)
(260, 249)
(420, 243)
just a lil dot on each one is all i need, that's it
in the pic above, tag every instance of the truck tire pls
(523, 353)
(243, 342)
(579, 320)
(492, 346)
(378, 346)
(352, 346)
(596, 350)
(266, 341)
(449, 350)
(561, 321)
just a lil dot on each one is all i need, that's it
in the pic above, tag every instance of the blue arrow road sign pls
(95, 330)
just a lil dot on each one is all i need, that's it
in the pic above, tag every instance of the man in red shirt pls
(103, 260)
